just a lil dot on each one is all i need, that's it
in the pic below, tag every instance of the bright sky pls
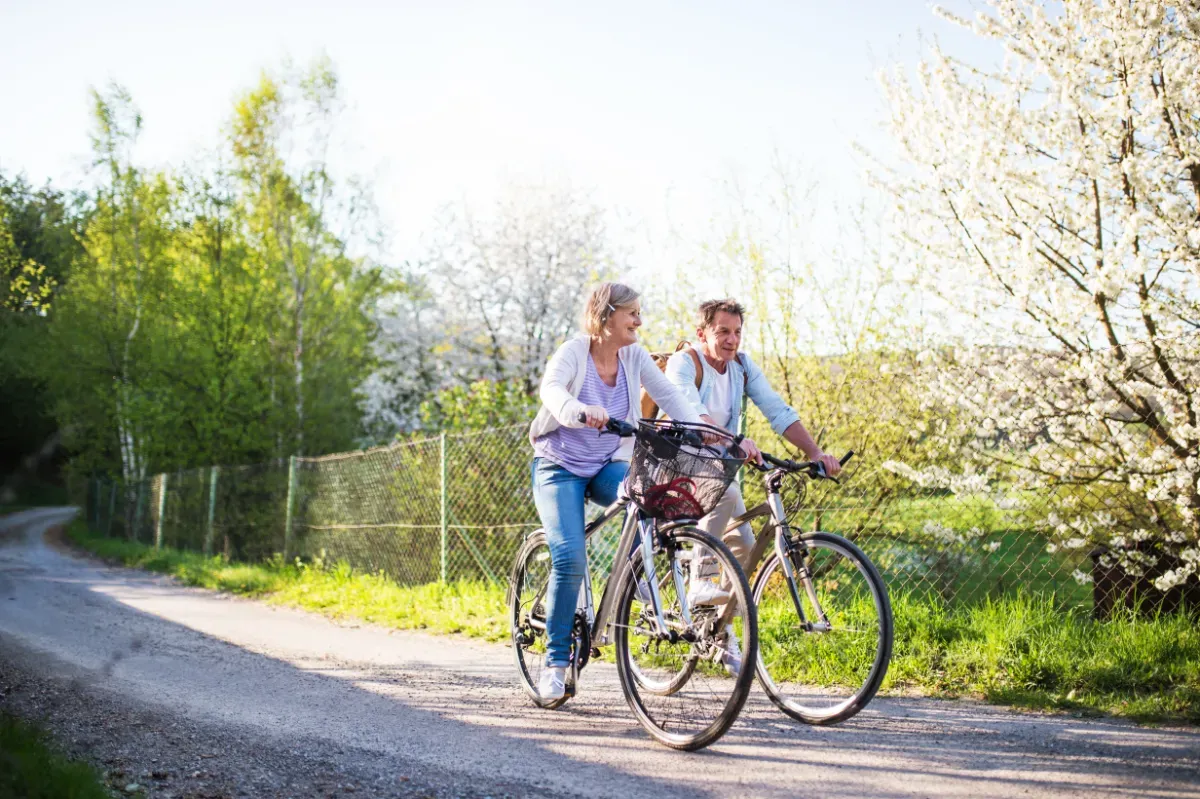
(650, 104)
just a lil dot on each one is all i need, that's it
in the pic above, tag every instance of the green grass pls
(1024, 650)
(1029, 651)
(30, 768)
(1002, 553)
(471, 608)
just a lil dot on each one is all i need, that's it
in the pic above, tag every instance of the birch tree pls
(301, 221)
(102, 318)
(1055, 199)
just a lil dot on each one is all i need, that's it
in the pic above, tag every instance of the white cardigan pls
(564, 379)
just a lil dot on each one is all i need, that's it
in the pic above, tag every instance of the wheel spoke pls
(679, 689)
(824, 676)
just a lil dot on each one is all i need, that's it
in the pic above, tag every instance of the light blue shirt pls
(681, 370)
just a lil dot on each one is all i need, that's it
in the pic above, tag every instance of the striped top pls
(584, 451)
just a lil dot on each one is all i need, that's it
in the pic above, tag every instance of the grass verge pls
(471, 608)
(30, 768)
(1025, 651)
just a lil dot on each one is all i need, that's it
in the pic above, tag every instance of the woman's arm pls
(555, 395)
(681, 371)
(664, 392)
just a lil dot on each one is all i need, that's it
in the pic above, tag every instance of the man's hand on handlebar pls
(594, 416)
(831, 465)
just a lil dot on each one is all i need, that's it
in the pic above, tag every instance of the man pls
(726, 375)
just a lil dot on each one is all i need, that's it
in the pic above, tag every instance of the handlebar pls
(613, 426)
(693, 435)
(814, 469)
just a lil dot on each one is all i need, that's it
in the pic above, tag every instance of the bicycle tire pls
(527, 582)
(810, 659)
(660, 713)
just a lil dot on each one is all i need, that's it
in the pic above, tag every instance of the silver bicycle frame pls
(637, 529)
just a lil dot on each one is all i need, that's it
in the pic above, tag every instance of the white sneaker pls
(732, 658)
(553, 683)
(706, 592)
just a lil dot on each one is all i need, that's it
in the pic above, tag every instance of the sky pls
(653, 107)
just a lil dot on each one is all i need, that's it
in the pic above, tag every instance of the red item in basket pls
(673, 500)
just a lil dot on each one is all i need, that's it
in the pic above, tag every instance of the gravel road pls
(189, 693)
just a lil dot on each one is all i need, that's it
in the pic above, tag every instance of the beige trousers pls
(740, 540)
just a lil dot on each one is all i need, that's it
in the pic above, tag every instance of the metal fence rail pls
(457, 506)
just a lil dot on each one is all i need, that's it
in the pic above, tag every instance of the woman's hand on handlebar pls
(594, 416)
(712, 437)
(753, 454)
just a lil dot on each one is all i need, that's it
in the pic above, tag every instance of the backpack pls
(650, 407)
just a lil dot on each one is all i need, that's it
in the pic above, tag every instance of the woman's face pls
(621, 327)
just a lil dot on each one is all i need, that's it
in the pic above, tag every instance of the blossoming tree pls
(1054, 200)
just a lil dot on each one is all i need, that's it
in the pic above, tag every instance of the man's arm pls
(798, 436)
(783, 418)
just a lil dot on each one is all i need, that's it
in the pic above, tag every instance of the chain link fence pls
(457, 506)
(447, 508)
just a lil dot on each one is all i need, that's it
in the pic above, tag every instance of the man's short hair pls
(709, 310)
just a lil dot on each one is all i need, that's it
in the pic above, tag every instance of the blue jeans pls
(559, 496)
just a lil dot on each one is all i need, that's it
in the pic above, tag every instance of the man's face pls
(722, 338)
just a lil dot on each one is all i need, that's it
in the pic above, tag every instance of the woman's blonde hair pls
(602, 302)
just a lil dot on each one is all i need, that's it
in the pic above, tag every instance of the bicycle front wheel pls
(684, 682)
(827, 667)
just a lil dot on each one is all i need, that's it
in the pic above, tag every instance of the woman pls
(598, 376)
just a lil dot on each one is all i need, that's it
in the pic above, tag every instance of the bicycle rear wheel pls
(817, 673)
(527, 615)
(676, 680)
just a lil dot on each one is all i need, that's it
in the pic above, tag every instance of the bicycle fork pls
(793, 559)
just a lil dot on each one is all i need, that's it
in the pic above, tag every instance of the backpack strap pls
(699, 366)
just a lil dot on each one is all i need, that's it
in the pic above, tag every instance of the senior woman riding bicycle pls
(596, 377)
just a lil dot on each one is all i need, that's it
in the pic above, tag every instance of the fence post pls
(135, 529)
(445, 508)
(162, 509)
(291, 502)
(212, 507)
(112, 509)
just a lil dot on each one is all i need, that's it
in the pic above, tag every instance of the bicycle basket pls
(672, 479)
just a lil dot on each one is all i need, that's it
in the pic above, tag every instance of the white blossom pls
(1055, 198)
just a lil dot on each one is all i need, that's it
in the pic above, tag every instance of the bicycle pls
(824, 664)
(669, 656)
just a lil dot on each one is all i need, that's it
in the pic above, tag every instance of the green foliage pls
(37, 246)
(30, 768)
(210, 314)
(482, 404)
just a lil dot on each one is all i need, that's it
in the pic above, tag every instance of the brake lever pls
(818, 471)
